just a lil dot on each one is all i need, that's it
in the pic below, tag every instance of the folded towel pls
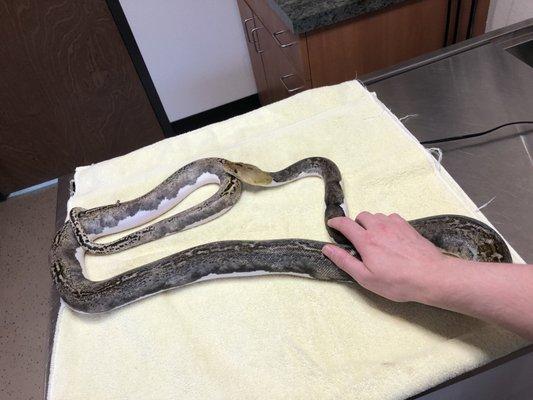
(273, 337)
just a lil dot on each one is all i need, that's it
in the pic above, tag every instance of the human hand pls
(397, 262)
(401, 265)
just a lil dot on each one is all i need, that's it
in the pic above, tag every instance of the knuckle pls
(339, 257)
(363, 214)
(372, 237)
(344, 258)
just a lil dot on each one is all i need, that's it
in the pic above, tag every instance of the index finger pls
(348, 227)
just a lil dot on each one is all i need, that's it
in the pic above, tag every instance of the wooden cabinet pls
(376, 40)
(279, 58)
(283, 77)
(286, 63)
(70, 93)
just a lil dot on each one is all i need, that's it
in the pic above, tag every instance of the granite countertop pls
(302, 16)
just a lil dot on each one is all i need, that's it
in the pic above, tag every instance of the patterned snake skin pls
(456, 235)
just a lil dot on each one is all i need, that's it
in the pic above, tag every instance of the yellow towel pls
(273, 337)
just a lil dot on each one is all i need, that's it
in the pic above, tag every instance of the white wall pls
(195, 51)
(507, 12)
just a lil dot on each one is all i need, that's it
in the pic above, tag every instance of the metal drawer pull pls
(245, 22)
(275, 36)
(255, 38)
(282, 79)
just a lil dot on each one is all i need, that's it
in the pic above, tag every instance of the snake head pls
(248, 173)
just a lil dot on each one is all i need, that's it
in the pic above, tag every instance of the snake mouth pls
(247, 173)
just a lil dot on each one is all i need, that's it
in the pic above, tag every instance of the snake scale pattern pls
(456, 235)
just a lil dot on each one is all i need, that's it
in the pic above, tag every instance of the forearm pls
(499, 293)
(400, 265)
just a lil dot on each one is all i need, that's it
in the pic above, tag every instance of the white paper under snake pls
(456, 235)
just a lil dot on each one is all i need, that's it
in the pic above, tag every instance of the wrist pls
(441, 284)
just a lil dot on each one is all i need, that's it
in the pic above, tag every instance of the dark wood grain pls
(376, 40)
(451, 28)
(467, 19)
(479, 22)
(69, 94)
(472, 18)
(463, 20)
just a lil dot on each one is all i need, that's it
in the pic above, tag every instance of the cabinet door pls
(282, 77)
(377, 40)
(250, 33)
(69, 93)
(293, 46)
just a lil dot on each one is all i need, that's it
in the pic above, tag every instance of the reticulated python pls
(456, 235)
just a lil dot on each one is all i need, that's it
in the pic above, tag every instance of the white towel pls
(273, 337)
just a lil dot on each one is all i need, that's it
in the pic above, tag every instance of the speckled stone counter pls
(302, 16)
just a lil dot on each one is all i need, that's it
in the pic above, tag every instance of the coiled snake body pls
(456, 235)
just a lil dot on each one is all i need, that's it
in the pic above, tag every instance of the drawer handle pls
(245, 22)
(255, 38)
(282, 45)
(282, 79)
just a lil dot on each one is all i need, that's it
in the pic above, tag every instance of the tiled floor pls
(27, 225)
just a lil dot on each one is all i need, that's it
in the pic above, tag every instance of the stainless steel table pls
(468, 87)
(472, 87)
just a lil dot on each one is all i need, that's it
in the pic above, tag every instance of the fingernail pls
(327, 249)
(330, 221)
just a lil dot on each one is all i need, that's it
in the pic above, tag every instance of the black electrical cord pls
(472, 135)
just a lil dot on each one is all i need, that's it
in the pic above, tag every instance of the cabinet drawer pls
(282, 77)
(293, 46)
